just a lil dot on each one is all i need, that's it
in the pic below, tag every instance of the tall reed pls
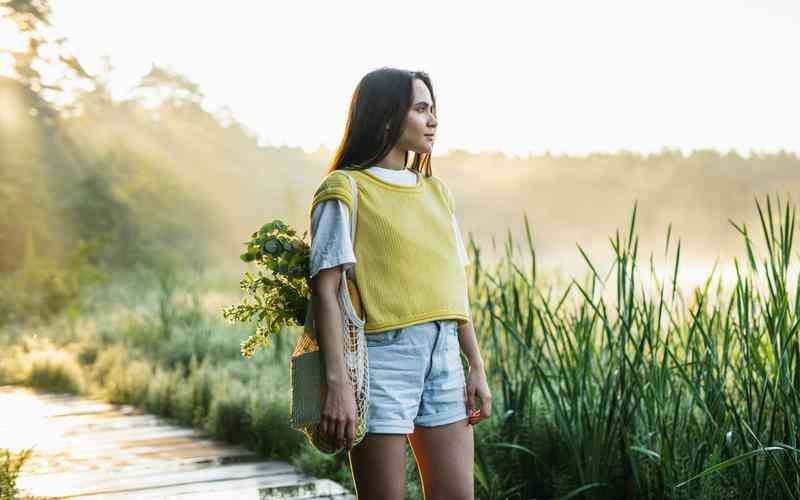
(642, 396)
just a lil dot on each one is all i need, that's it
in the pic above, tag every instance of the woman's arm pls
(477, 392)
(328, 322)
(331, 251)
(469, 345)
(338, 406)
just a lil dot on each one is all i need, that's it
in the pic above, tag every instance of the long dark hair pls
(382, 96)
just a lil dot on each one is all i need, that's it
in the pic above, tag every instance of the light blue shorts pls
(415, 377)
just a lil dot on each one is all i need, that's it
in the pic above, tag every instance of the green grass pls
(643, 397)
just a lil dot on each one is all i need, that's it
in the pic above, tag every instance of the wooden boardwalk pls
(91, 449)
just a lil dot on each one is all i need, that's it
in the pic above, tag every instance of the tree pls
(32, 19)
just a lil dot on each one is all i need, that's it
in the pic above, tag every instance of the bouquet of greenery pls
(280, 298)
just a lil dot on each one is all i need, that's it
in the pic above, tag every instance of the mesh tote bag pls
(307, 376)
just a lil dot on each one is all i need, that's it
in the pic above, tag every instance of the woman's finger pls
(323, 426)
(350, 434)
(486, 406)
(473, 418)
(339, 433)
(469, 398)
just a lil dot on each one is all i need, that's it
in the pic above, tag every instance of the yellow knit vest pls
(408, 269)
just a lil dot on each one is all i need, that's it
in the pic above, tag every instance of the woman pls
(412, 283)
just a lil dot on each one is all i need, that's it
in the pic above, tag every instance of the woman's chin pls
(424, 149)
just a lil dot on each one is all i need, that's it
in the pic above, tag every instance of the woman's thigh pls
(378, 465)
(445, 457)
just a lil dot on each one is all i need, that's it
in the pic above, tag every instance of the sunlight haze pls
(565, 77)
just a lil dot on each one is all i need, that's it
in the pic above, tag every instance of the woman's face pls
(420, 125)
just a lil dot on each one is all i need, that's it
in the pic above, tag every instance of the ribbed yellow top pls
(407, 270)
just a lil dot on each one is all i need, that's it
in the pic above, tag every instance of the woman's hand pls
(477, 391)
(338, 414)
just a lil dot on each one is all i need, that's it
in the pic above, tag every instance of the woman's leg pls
(445, 457)
(378, 464)
(442, 441)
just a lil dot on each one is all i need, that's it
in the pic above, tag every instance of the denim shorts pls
(415, 377)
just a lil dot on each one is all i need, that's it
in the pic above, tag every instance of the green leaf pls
(580, 490)
(731, 461)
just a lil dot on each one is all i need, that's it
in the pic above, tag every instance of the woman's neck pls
(395, 160)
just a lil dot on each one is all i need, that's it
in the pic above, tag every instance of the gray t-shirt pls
(330, 227)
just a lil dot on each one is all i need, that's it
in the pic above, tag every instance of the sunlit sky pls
(564, 76)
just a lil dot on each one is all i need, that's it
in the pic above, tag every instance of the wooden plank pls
(210, 454)
(233, 489)
(87, 450)
(313, 489)
(120, 436)
(101, 458)
(122, 469)
(76, 484)
(119, 430)
(250, 488)
(68, 404)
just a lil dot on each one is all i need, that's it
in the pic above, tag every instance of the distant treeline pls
(157, 178)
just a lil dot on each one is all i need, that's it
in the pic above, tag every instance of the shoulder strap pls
(353, 219)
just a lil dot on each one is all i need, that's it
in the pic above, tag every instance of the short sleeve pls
(330, 236)
(336, 185)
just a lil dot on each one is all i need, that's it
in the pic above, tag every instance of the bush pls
(228, 418)
(55, 370)
(44, 287)
(161, 392)
(272, 434)
(195, 393)
(129, 382)
(10, 465)
(13, 368)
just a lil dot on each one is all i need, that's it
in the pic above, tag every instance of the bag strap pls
(353, 220)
